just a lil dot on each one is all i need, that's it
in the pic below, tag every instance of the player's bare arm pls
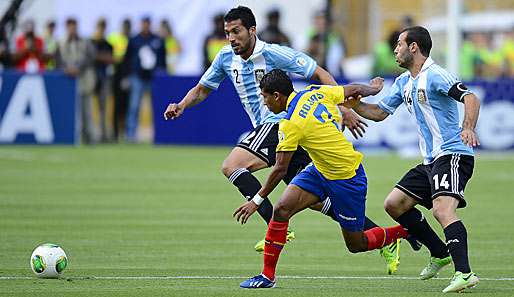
(354, 92)
(196, 95)
(350, 119)
(471, 111)
(370, 111)
(243, 213)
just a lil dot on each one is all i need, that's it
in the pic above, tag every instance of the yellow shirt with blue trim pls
(312, 122)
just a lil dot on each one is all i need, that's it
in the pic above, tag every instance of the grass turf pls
(127, 213)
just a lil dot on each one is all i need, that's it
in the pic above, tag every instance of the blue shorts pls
(348, 196)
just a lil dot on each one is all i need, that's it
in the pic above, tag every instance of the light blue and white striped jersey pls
(437, 116)
(247, 74)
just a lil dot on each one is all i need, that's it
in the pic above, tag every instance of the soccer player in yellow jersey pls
(312, 122)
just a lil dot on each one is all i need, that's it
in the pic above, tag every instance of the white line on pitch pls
(239, 277)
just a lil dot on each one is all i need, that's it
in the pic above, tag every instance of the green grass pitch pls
(157, 221)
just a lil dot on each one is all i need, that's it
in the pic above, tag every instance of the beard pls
(406, 60)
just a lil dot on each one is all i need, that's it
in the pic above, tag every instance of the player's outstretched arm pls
(370, 111)
(196, 95)
(471, 110)
(356, 91)
(353, 94)
(243, 213)
(350, 119)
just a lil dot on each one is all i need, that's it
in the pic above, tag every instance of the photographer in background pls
(29, 54)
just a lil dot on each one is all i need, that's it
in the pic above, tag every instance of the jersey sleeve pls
(391, 102)
(290, 60)
(335, 93)
(213, 77)
(448, 85)
(288, 136)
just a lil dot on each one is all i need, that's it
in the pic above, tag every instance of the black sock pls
(249, 185)
(457, 242)
(414, 221)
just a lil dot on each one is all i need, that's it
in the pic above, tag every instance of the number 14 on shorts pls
(444, 182)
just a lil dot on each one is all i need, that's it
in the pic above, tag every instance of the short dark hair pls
(421, 37)
(242, 13)
(276, 81)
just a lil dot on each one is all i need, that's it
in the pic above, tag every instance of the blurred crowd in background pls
(121, 64)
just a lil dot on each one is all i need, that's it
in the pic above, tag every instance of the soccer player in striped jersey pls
(312, 121)
(245, 61)
(431, 96)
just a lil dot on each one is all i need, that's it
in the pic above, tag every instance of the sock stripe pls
(236, 174)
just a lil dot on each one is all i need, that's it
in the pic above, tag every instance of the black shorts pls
(446, 176)
(263, 141)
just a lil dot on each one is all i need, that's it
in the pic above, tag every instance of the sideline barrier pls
(37, 108)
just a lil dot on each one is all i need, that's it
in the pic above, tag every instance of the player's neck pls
(249, 52)
(417, 65)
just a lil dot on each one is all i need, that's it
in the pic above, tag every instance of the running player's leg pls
(411, 190)
(450, 174)
(250, 155)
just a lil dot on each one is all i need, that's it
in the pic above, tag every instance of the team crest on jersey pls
(301, 62)
(422, 96)
(259, 74)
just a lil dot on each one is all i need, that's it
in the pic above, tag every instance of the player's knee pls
(226, 169)
(281, 212)
(442, 214)
(391, 207)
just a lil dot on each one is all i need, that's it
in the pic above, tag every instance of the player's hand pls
(173, 111)
(351, 101)
(245, 211)
(353, 122)
(377, 83)
(469, 137)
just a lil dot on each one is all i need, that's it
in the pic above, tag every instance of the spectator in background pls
(384, 60)
(103, 70)
(145, 54)
(50, 44)
(489, 61)
(507, 51)
(171, 44)
(121, 83)
(214, 42)
(29, 50)
(325, 45)
(272, 33)
(75, 57)
(4, 50)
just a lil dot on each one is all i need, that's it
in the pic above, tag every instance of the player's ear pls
(413, 47)
(252, 30)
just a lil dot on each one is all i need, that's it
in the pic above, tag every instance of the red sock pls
(379, 237)
(275, 241)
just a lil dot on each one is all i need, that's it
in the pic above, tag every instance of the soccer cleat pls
(259, 246)
(391, 254)
(414, 243)
(257, 282)
(433, 267)
(461, 281)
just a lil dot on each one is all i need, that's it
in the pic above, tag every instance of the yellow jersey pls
(312, 122)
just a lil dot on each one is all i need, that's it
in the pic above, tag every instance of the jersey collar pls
(428, 62)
